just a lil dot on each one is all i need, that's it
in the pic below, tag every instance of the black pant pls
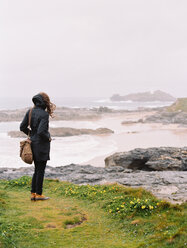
(38, 176)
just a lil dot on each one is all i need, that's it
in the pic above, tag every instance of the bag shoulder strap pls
(29, 126)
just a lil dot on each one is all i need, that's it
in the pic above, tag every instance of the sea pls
(87, 149)
(81, 102)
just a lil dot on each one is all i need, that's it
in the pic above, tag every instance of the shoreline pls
(92, 149)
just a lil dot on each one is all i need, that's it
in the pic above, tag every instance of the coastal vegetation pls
(108, 215)
(179, 105)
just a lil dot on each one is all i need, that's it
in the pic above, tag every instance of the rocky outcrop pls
(62, 113)
(145, 97)
(150, 159)
(170, 185)
(174, 114)
(166, 117)
(66, 131)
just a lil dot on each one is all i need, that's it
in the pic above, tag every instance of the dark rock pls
(156, 159)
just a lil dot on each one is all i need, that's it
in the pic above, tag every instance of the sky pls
(82, 48)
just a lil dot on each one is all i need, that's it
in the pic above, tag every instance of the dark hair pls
(50, 106)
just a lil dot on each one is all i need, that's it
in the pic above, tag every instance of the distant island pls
(157, 95)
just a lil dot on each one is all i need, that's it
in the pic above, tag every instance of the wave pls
(106, 100)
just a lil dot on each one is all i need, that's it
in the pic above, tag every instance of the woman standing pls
(40, 138)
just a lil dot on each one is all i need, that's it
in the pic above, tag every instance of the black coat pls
(40, 135)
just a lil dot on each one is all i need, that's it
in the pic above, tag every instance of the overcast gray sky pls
(92, 47)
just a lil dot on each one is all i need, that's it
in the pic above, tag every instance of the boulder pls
(150, 159)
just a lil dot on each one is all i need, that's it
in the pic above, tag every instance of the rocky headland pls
(174, 114)
(145, 97)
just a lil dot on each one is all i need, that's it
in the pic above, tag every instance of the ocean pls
(81, 102)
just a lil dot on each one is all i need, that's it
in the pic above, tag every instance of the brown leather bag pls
(25, 145)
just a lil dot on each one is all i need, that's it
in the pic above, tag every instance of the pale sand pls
(129, 136)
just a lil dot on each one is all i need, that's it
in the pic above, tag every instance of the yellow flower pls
(122, 206)
(143, 206)
(131, 202)
(146, 200)
(117, 208)
(150, 207)
(158, 204)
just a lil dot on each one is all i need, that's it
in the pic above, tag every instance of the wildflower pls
(117, 208)
(146, 200)
(131, 202)
(150, 207)
(143, 207)
(158, 204)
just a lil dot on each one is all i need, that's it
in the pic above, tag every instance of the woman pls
(40, 138)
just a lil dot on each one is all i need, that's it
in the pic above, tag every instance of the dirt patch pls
(78, 223)
(51, 226)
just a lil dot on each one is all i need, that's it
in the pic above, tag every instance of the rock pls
(155, 159)
(165, 117)
(66, 131)
(145, 97)
(169, 185)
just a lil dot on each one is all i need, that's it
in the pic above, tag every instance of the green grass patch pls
(179, 105)
(89, 216)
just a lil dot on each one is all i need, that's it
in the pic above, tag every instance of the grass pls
(88, 216)
(179, 105)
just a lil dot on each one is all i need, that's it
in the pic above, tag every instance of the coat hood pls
(38, 101)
